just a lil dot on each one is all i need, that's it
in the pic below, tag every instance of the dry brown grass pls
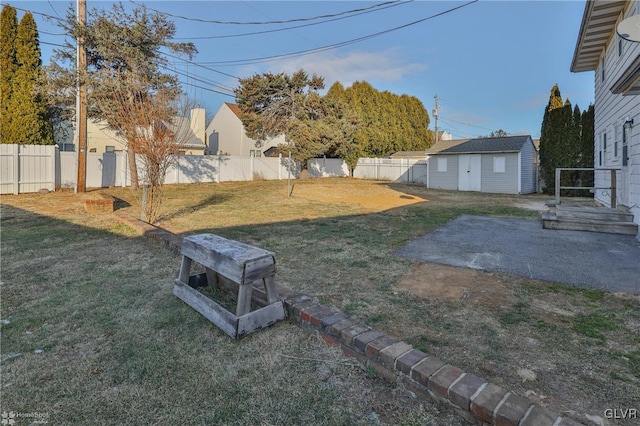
(333, 239)
(92, 334)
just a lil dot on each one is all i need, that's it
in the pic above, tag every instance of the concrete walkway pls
(521, 247)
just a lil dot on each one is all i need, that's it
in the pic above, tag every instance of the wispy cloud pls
(381, 66)
(537, 101)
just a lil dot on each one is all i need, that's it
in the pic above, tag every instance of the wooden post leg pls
(212, 277)
(185, 269)
(271, 289)
(244, 299)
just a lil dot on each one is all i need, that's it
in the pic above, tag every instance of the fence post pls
(52, 171)
(16, 169)
(558, 170)
(125, 168)
(614, 188)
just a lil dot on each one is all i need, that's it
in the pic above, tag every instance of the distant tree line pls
(24, 113)
(566, 140)
(345, 123)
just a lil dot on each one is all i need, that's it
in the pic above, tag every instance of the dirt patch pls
(439, 282)
(377, 197)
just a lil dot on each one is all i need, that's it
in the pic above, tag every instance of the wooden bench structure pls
(233, 265)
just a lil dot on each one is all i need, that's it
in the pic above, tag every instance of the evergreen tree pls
(566, 140)
(8, 66)
(551, 135)
(313, 125)
(587, 139)
(29, 121)
(388, 122)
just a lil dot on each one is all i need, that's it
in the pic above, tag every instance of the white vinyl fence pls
(30, 168)
(327, 167)
(393, 169)
(112, 169)
(27, 168)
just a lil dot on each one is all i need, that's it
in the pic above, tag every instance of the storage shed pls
(499, 165)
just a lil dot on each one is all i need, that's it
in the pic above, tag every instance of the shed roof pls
(480, 145)
(442, 145)
(433, 149)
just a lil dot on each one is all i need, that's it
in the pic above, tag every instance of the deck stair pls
(592, 219)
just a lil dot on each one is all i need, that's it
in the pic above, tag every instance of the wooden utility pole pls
(435, 116)
(81, 102)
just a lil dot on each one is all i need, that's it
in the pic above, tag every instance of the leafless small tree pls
(159, 125)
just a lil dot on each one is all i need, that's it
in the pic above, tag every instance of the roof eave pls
(586, 58)
(588, 7)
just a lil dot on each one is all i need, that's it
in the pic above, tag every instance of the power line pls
(205, 88)
(199, 65)
(221, 86)
(52, 34)
(332, 46)
(284, 21)
(228, 91)
(455, 130)
(38, 13)
(51, 44)
(53, 8)
(398, 3)
(467, 124)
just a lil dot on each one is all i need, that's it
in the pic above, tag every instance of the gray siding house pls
(616, 62)
(499, 165)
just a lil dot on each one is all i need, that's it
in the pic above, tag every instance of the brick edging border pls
(424, 375)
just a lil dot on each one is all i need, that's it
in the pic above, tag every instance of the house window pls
(442, 164)
(255, 153)
(604, 142)
(182, 152)
(615, 142)
(602, 67)
(499, 164)
(109, 148)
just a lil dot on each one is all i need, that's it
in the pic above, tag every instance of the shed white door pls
(469, 172)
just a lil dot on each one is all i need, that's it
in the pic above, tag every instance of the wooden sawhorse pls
(235, 263)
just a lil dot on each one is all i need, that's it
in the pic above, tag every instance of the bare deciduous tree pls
(124, 49)
(156, 127)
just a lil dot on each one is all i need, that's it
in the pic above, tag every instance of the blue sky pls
(492, 63)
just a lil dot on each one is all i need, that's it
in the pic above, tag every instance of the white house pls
(227, 136)
(616, 62)
(191, 133)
